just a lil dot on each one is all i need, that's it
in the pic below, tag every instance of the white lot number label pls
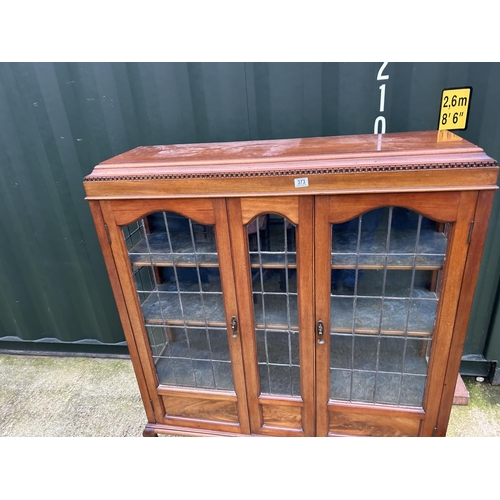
(302, 182)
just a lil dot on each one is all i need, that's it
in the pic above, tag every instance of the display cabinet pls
(296, 287)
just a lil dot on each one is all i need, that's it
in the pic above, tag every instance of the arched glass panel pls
(386, 268)
(175, 267)
(271, 243)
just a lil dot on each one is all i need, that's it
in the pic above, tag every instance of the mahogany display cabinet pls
(296, 287)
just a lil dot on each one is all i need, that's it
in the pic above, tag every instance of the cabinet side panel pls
(122, 308)
(446, 315)
(478, 236)
(133, 308)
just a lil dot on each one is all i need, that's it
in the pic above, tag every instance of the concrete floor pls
(481, 417)
(69, 396)
(77, 396)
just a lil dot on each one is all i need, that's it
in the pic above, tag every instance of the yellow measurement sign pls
(454, 111)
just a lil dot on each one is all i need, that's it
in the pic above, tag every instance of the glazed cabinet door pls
(173, 259)
(388, 276)
(272, 243)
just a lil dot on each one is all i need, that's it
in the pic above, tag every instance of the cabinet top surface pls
(368, 155)
(282, 150)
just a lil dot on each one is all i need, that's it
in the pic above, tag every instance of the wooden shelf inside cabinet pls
(373, 316)
(270, 260)
(297, 287)
(154, 250)
(167, 306)
(402, 254)
(385, 316)
(429, 256)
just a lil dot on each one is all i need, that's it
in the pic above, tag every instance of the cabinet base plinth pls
(152, 430)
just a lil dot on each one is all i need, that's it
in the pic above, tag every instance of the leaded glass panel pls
(385, 275)
(175, 268)
(272, 255)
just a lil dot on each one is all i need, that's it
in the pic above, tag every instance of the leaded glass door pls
(183, 290)
(384, 269)
(273, 257)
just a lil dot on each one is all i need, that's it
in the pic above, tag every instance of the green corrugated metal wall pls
(57, 121)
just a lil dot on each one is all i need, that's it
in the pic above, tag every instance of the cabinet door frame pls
(456, 208)
(119, 213)
(266, 411)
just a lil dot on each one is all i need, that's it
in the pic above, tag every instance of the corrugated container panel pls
(57, 121)
(52, 280)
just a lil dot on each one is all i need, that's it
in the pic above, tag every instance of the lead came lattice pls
(380, 354)
(272, 255)
(175, 268)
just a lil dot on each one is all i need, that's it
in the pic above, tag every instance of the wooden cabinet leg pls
(147, 432)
